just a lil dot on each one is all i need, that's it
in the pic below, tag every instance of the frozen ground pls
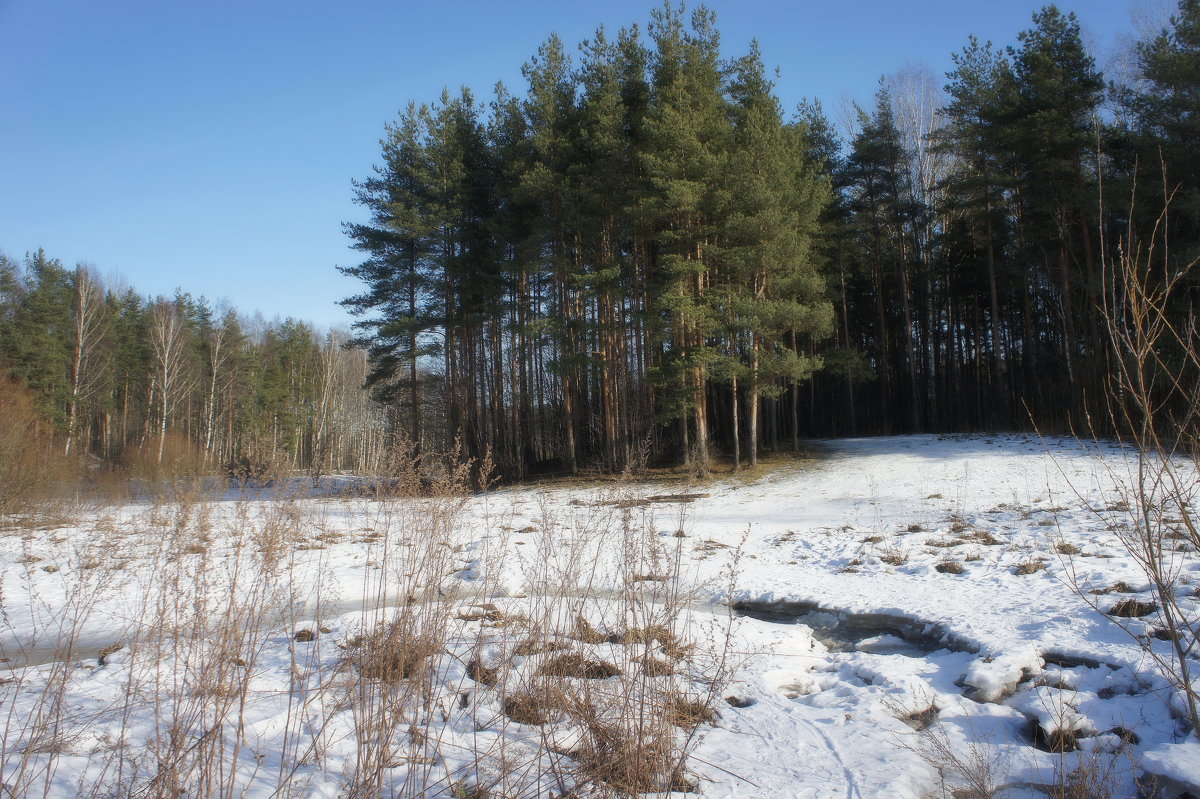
(918, 611)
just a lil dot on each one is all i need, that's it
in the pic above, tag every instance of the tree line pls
(644, 258)
(177, 382)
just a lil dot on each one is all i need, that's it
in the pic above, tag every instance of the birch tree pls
(89, 362)
(169, 376)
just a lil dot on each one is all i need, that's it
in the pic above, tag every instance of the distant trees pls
(968, 255)
(121, 377)
(89, 361)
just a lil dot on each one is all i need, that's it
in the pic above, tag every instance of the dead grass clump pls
(920, 719)
(985, 538)
(1029, 567)
(1057, 740)
(670, 644)
(677, 650)
(944, 543)
(484, 675)
(650, 578)
(1132, 609)
(532, 707)
(197, 547)
(463, 790)
(486, 612)
(538, 646)
(573, 664)
(894, 558)
(949, 567)
(1067, 548)
(631, 763)
(689, 713)
(648, 635)
(393, 656)
(656, 667)
(588, 634)
(111, 649)
(709, 545)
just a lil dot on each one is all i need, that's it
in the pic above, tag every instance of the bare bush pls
(32, 473)
(1154, 401)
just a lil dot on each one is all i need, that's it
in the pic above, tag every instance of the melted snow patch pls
(994, 677)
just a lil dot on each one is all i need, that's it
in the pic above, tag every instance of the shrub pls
(32, 473)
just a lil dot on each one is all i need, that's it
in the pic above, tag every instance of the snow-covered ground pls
(919, 612)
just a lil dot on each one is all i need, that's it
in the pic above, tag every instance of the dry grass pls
(578, 667)
(598, 653)
(1132, 609)
(33, 476)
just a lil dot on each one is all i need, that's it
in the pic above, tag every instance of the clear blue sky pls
(210, 144)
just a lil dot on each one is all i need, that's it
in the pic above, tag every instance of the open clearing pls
(912, 611)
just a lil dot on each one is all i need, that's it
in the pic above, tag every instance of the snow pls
(1178, 762)
(907, 676)
(996, 677)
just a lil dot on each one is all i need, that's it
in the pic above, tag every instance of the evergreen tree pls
(977, 188)
(772, 201)
(884, 210)
(687, 129)
(38, 348)
(1053, 132)
(1166, 109)
(400, 275)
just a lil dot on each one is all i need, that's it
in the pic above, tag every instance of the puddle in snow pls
(874, 633)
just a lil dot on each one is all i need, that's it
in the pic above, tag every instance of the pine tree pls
(772, 199)
(39, 347)
(1056, 92)
(1166, 109)
(399, 272)
(884, 209)
(687, 130)
(552, 116)
(978, 133)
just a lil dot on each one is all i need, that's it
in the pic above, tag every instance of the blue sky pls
(210, 144)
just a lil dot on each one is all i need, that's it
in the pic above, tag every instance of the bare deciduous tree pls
(168, 339)
(88, 361)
